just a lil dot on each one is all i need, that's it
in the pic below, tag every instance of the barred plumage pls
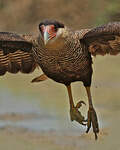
(64, 56)
(65, 64)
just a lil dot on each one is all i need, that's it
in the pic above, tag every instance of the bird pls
(64, 55)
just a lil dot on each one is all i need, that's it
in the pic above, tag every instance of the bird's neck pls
(55, 45)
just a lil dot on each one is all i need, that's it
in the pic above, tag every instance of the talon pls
(92, 120)
(95, 122)
(83, 124)
(79, 104)
(96, 137)
(77, 116)
(88, 122)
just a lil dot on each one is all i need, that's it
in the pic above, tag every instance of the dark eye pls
(55, 28)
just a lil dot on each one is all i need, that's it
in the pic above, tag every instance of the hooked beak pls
(48, 34)
(46, 37)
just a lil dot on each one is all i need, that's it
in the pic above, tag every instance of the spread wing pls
(15, 54)
(103, 40)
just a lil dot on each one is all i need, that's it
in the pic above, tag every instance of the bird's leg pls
(92, 116)
(74, 113)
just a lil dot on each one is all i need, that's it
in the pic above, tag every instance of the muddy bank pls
(17, 139)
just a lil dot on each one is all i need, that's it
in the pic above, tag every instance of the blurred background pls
(36, 116)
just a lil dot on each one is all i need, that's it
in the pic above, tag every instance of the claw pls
(88, 122)
(76, 115)
(95, 122)
(92, 120)
(79, 104)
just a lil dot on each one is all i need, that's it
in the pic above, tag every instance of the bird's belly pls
(66, 72)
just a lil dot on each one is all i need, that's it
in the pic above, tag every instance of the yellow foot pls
(76, 115)
(92, 120)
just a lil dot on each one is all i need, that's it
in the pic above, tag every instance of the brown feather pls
(42, 77)
(15, 54)
(103, 40)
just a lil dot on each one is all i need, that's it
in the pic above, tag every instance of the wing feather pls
(15, 54)
(103, 40)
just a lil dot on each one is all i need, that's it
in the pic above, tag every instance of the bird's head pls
(50, 30)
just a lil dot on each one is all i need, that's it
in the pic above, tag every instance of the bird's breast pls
(66, 64)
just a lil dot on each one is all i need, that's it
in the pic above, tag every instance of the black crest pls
(57, 24)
